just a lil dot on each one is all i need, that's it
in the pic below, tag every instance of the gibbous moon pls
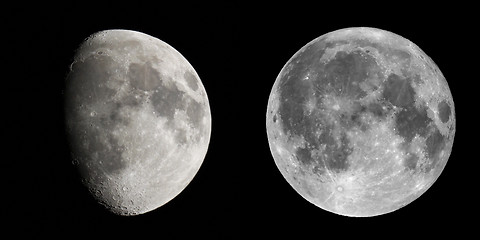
(360, 122)
(138, 120)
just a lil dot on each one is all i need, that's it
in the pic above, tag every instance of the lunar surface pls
(137, 118)
(360, 122)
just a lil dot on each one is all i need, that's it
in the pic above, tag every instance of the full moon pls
(360, 122)
(137, 118)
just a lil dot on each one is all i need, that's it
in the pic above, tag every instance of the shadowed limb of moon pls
(138, 120)
(360, 122)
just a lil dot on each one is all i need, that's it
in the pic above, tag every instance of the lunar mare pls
(138, 120)
(360, 122)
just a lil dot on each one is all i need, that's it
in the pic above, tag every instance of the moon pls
(360, 122)
(137, 119)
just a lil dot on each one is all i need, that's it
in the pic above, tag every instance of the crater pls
(444, 111)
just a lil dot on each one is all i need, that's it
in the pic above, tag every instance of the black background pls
(237, 50)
